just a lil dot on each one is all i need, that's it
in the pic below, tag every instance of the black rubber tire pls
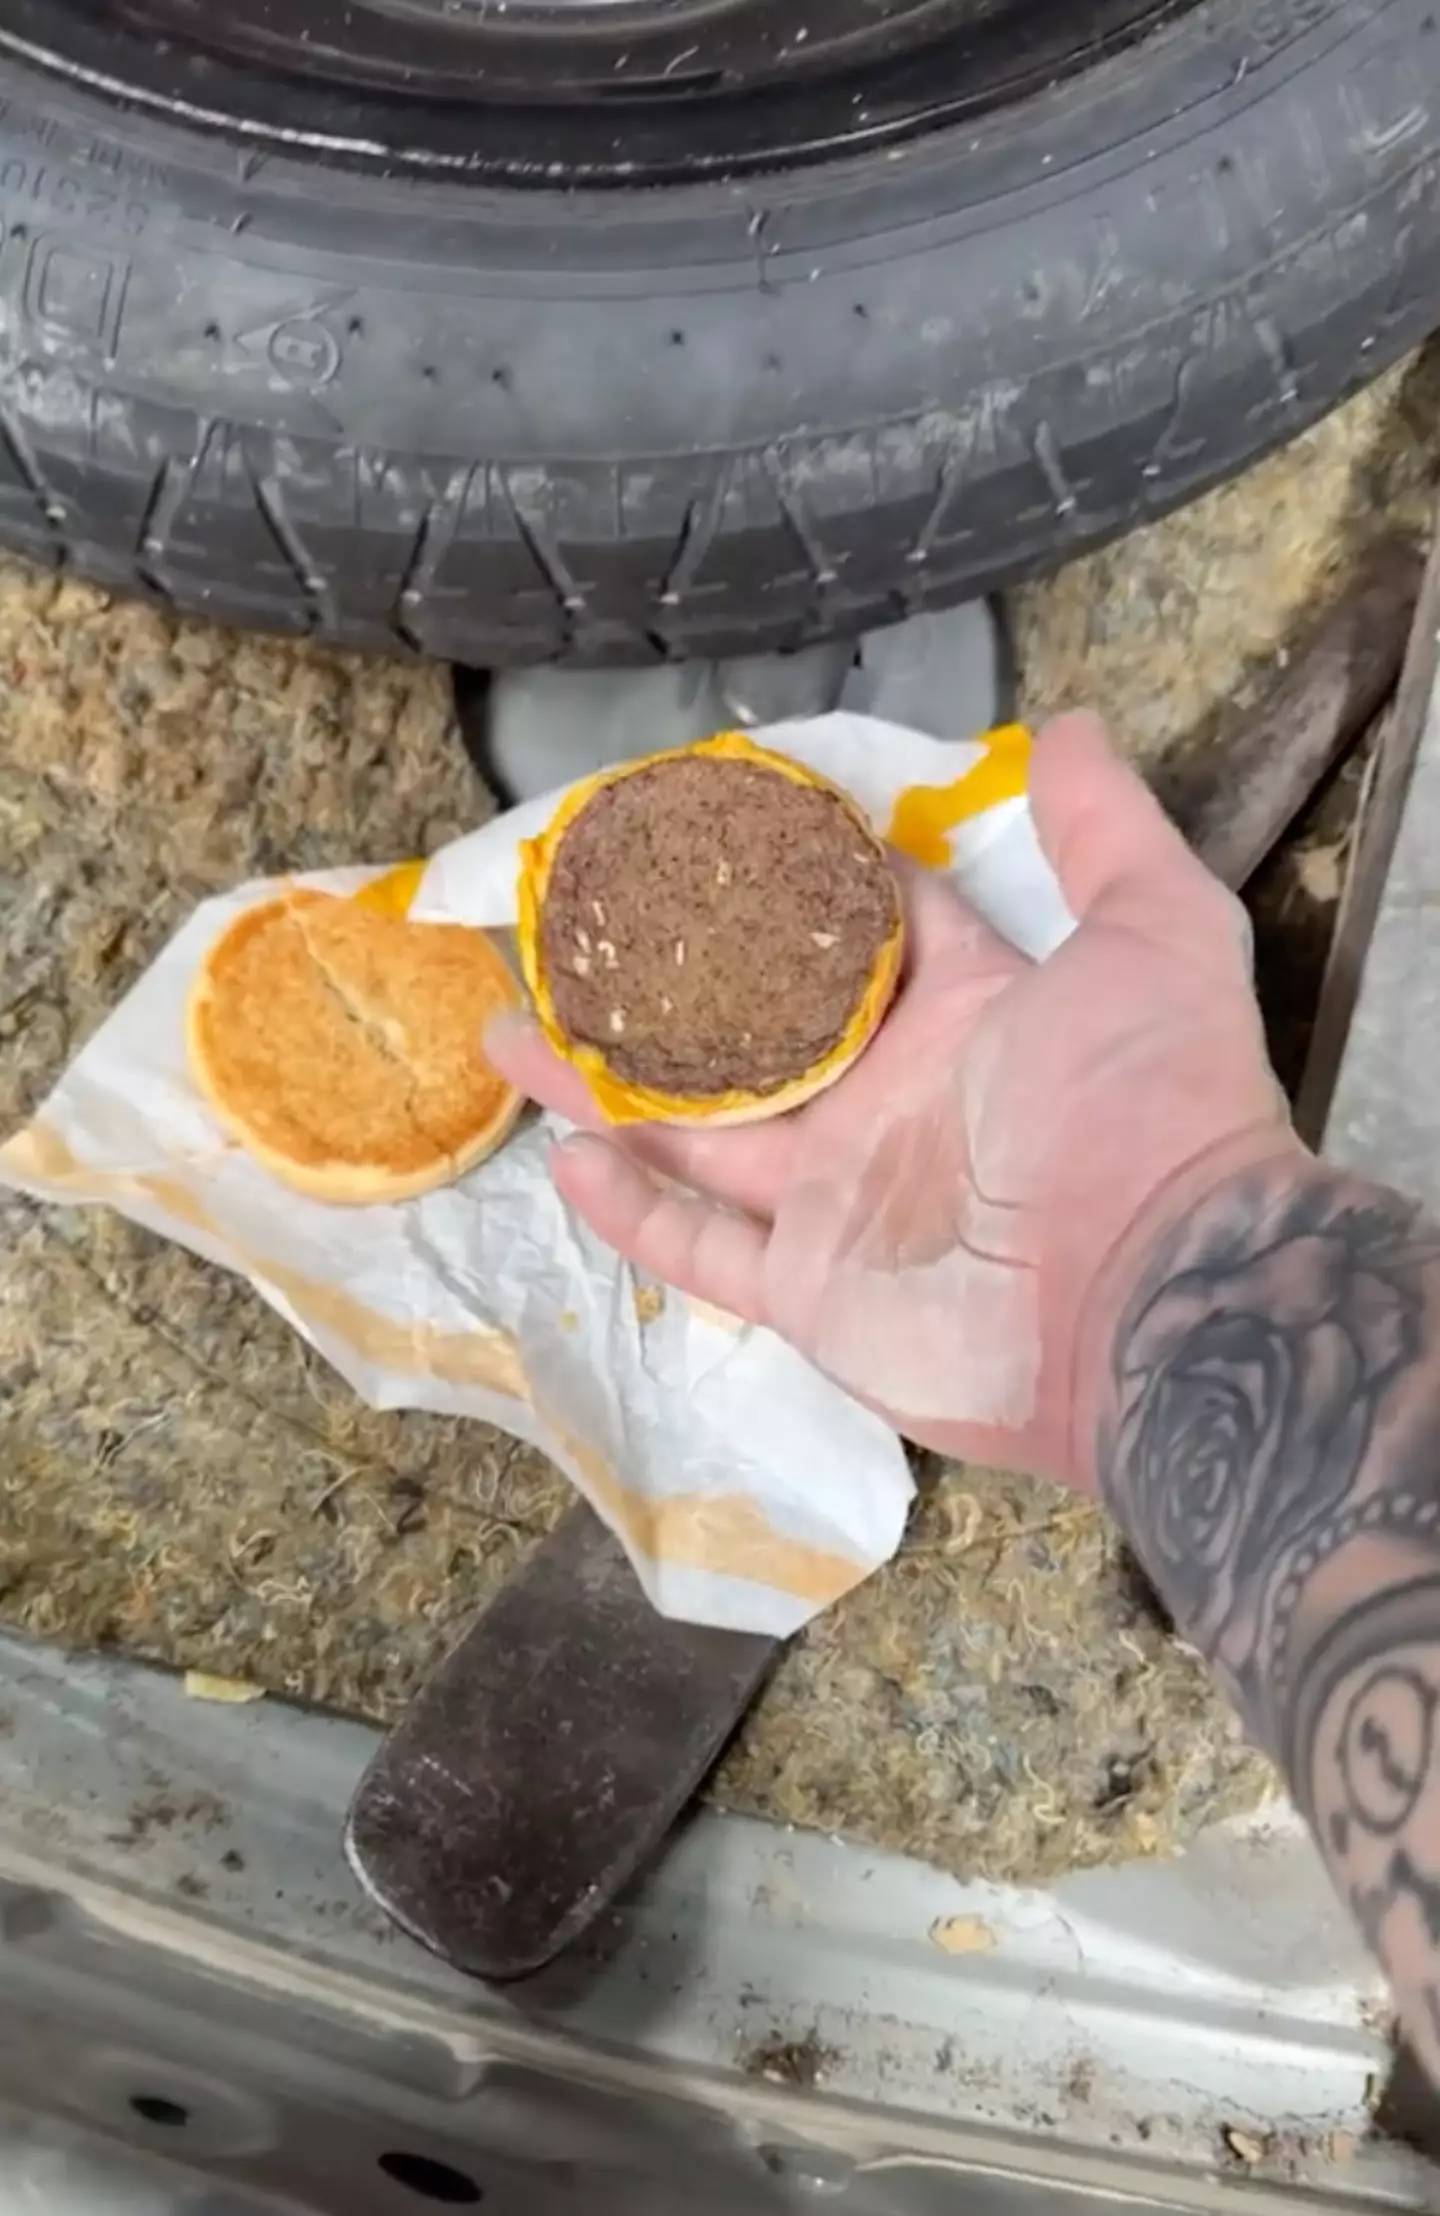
(511, 426)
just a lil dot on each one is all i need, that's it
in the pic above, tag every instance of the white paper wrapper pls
(748, 1491)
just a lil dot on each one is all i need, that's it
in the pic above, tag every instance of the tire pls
(504, 425)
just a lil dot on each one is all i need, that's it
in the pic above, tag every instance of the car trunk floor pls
(182, 1481)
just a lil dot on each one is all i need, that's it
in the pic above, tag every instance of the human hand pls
(945, 1232)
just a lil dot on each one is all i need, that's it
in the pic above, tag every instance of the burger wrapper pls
(748, 1490)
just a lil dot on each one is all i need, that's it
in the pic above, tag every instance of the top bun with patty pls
(709, 935)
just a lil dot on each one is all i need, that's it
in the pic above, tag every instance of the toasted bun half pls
(341, 1046)
(710, 935)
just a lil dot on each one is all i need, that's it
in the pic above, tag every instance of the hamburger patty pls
(711, 926)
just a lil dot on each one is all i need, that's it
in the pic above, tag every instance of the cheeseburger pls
(709, 935)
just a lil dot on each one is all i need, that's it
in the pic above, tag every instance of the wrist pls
(1264, 1150)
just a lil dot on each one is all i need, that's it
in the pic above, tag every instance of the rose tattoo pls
(1248, 1375)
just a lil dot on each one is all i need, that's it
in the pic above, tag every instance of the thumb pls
(1117, 855)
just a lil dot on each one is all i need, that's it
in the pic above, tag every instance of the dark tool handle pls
(546, 1758)
(1234, 801)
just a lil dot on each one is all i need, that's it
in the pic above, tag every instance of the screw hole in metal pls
(430, 2180)
(154, 2108)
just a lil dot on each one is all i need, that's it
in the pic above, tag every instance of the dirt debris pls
(165, 1811)
(801, 2063)
(1248, 2148)
(1080, 2081)
(963, 1935)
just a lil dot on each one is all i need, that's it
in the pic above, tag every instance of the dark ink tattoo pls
(1248, 1378)
(1361, 1746)
(1272, 1452)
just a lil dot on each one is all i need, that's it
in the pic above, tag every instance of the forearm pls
(1269, 1439)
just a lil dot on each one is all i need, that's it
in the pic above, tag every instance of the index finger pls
(745, 1167)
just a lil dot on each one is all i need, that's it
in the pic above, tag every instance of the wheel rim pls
(566, 92)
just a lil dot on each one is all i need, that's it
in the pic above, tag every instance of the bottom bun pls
(340, 1047)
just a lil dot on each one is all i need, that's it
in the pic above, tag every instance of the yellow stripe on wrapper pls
(393, 894)
(926, 814)
(482, 1356)
(728, 1535)
(620, 1100)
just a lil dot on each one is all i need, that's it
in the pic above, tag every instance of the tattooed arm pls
(1270, 1443)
